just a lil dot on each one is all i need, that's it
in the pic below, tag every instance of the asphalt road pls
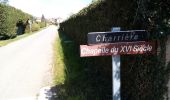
(26, 65)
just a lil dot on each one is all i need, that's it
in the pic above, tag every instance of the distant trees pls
(43, 18)
(43, 21)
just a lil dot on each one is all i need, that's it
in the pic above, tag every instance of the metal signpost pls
(114, 44)
(116, 78)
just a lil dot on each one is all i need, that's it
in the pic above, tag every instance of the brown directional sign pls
(118, 36)
(118, 49)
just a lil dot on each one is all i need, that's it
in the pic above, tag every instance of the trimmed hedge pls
(144, 77)
(42, 24)
(35, 27)
(8, 19)
(99, 16)
(3, 17)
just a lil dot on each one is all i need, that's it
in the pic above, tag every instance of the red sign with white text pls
(118, 49)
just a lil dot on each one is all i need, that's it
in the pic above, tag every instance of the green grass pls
(72, 79)
(59, 69)
(76, 78)
(66, 70)
(5, 42)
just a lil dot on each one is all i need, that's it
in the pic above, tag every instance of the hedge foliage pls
(35, 27)
(42, 24)
(144, 77)
(8, 19)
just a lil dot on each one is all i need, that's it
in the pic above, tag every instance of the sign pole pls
(116, 73)
(116, 77)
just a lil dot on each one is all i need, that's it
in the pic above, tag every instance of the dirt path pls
(25, 65)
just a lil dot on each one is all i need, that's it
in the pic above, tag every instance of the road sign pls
(118, 49)
(117, 36)
(114, 44)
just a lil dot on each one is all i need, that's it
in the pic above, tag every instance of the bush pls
(3, 21)
(42, 24)
(35, 27)
(8, 19)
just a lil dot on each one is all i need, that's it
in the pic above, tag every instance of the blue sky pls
(50, 8)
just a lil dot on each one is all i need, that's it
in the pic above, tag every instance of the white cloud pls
(50, 8)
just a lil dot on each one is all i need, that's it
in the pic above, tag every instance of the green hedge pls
(144, 77)
(3, 17)
(8, 19)
(35, 27)
(99, 16)
(42, 24)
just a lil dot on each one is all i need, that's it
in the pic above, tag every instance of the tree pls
(43, 18)
(43, 21)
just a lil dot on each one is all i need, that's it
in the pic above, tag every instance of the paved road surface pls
(26, 65)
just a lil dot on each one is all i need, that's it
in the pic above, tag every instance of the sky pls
(50, 8)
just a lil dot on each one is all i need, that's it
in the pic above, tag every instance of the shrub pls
(42, 24)
(3, 21)
(35, 27)
(8, 19)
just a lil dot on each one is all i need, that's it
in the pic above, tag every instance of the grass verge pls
(76, 78)
(5, 42)
(59, 71)
(66, 70)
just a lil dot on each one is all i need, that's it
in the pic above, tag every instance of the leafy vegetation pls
(8, 19)
(144, 77)
(28, 33)
(9, 16)
(35, 27)
(42, 24)
(5, 42)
